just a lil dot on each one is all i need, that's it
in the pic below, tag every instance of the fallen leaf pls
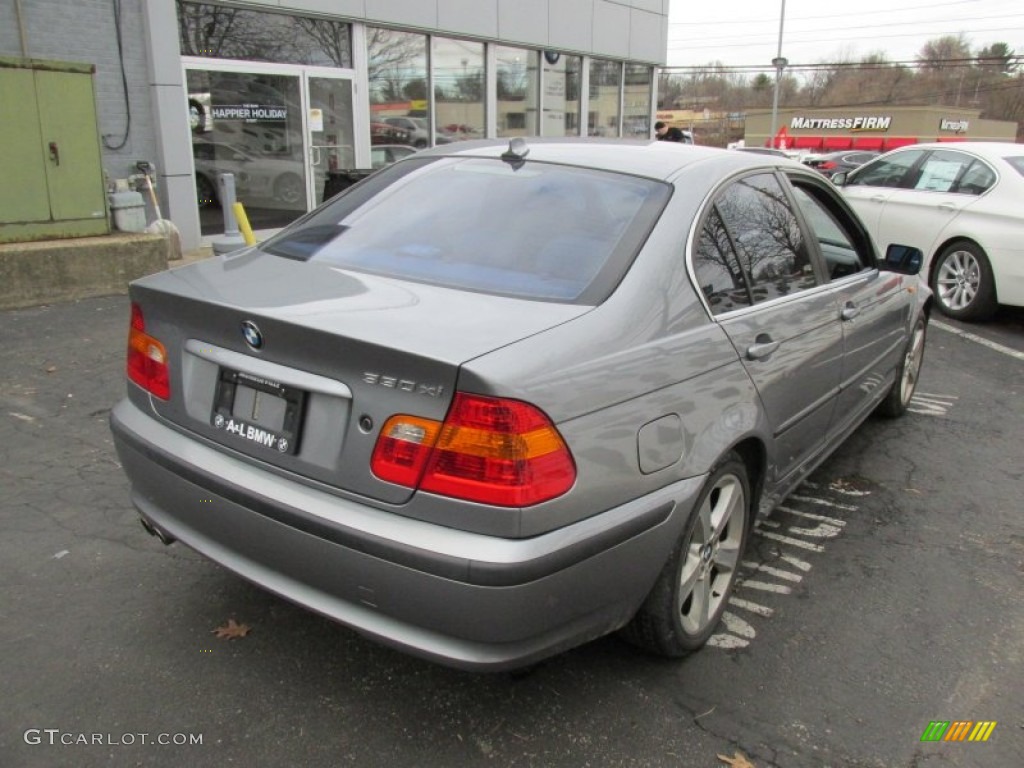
(231, 630)
(738, 760)
(51, 369)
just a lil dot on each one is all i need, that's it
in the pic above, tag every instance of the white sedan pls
(963, 206)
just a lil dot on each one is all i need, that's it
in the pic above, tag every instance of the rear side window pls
(1017, 163)
(751, 248)
(533, 230)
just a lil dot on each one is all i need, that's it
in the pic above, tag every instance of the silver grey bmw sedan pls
(502, 398)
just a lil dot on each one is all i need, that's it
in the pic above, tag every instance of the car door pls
(873, 305)
(753, 265)
(931, 199)
(869, 188)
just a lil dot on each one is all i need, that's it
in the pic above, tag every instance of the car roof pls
(661, 160)
(987, 149)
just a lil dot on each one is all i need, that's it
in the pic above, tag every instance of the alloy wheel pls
(712, 554)
(958, 280)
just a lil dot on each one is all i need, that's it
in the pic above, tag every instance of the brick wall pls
(84, 31)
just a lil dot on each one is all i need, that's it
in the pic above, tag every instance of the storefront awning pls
(838, 142)
(892, 142)
(868, 142)
(807, 142)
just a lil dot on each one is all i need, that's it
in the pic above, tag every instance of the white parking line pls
(978, 340)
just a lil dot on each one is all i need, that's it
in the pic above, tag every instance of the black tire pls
(290, 189)
(962, 282)
(206, 191)
(907, 372)
(687, 602)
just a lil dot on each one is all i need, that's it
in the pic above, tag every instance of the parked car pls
(834, 162)
(504, 398)
(381, 156)
(763, 151)
(384, 133)
(416, 127)
(961, 205)
(275, 180)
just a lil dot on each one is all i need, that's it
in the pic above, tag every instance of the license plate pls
(260, 411)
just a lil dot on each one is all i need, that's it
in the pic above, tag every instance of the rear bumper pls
(463, 599)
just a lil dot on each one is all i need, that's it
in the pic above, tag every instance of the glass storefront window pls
(460, 89)
(517, 96)
(605, 82)
(399, 98)
(636, 117)
(249, 125)
(560, 109)
(221, 32)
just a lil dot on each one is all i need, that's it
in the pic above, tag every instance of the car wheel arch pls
(755, 457)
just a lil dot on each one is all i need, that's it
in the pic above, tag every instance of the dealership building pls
(284, 93)
(877, 128)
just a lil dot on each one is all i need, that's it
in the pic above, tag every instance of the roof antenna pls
(516, 153)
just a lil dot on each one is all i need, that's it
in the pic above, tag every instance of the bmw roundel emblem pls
(252, 334)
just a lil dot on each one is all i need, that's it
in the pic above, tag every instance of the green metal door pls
(23, 195)
(67, 116)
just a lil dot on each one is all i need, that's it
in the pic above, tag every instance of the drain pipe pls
(21, 29)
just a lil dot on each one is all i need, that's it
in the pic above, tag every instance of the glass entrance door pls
(248, 124)
(330, 130)
(279, 130)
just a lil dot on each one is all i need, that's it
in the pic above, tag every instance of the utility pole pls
(780, 64)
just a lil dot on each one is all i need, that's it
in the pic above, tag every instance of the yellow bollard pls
(243, 224)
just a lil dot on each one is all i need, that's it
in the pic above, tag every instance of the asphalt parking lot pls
(886, 594)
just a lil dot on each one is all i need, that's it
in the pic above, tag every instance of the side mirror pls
(839, 179)
(904, 259)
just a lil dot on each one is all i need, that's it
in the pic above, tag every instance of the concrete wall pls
(627, 29)
(84, 31)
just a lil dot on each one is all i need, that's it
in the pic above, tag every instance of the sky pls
(746, 32)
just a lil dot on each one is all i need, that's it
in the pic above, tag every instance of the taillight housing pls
(147, 358)
(828, 165)
(489, 450)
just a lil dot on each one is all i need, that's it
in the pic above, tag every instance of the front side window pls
(836, 238)
(536, 230)
(886, 171)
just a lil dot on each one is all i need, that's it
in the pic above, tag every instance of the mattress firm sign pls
(250, 113)
(950, 124)
(864, 123)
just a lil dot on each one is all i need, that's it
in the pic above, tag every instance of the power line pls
(858, 14)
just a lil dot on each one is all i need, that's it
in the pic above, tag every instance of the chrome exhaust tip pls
(165, 538)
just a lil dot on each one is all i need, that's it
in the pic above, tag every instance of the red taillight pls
(147, 358)
(489, 450)
(828, 165)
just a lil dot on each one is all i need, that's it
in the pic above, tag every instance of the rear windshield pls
(530, 230)
(1017, 163)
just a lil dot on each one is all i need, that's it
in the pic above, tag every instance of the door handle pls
(762, 348)
(54, 153)
(947, 207)
(314, 155)
(849, 312)
(878, 198)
